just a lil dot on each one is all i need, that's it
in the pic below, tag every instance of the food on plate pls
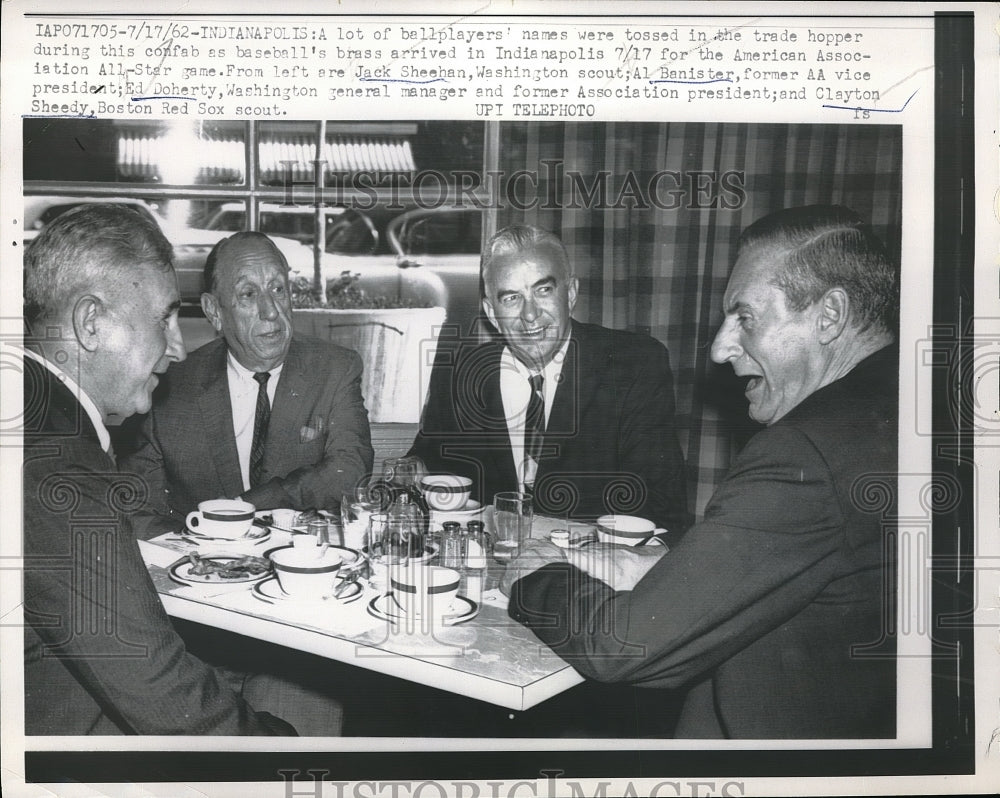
(228, 568)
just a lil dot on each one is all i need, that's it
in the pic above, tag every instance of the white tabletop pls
(489, 657)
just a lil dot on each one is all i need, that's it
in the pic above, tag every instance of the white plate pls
(386, 608)
(249, 537)
(472, 507)
(181, 572)
(270, 591)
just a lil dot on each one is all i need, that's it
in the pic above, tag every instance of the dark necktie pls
(260, 418)
(534, 422)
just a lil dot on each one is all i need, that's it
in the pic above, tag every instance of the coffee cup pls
(306, 572)
(446, 492)
(424, 589)
(626, 530)
(222, 518)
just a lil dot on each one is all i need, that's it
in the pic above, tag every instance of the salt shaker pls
(451, 554)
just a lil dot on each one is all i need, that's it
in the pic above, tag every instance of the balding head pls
(247, 299)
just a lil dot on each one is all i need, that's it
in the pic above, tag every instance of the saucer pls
(472, 507)
(249, 537)
(385, 608)
(270, 591)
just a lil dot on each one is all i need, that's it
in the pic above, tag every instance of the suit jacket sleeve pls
(154, 516)
(768, 545)
(440, 424)
(648, 447)
(347, 455)
(90, 599)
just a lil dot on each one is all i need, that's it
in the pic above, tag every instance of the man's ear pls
(834, 311)
(210, 307)
(490, 313)
(86, 320)
(573, 288)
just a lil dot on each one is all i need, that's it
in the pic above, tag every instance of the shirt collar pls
(243, 373)
(88, 405)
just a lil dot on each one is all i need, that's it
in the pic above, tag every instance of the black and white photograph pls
(499, 401)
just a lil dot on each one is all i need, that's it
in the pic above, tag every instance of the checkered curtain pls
(663, 270)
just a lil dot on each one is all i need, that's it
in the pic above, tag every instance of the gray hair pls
(830, 246)
(85, 249)
(518, 238)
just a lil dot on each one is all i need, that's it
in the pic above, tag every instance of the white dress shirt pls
(243, 390)
(85, 401)
(515, 392)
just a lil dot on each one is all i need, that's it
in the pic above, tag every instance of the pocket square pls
(307, 434)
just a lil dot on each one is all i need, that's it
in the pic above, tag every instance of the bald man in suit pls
(198, 442)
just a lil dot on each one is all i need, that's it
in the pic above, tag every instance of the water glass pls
(381, 552)
(317, 533)
(512, 515)
(356, 509)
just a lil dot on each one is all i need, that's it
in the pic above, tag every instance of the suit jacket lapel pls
(217, 417)
(577, 387)
(503, 456)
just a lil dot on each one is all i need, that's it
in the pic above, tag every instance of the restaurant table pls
(488, 657)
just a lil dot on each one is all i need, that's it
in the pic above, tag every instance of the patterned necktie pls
(260, 418)
(534, 426)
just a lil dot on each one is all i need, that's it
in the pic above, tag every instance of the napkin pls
(154, 554)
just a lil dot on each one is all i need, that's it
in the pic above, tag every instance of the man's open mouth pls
(534, 334)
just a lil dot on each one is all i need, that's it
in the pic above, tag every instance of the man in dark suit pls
(773, 610)
(581, 415)
(275, 419)
(100, 654)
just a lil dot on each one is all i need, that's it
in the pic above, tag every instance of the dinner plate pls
(270, 591)
(181, 572)
(386, 608)
(348, 557)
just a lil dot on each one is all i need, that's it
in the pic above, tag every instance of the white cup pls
(446, 492)
(284, 518)
(304, 573)
(423, 589)
(222, 518)
(626, 530)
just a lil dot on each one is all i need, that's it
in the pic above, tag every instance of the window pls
(393, 193)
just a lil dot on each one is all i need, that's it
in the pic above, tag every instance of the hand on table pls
(619, 567)
(534, 554)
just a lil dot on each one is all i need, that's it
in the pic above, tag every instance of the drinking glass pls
(356, 509)
(381, 551)
(512, 514)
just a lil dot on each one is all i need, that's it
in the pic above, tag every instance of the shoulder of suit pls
(619, 344)
(198, 360)
(310, 347)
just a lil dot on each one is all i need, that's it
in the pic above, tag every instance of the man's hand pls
(619, 567)
(534, 554)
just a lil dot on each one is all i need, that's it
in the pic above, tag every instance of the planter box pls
(397, 347)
